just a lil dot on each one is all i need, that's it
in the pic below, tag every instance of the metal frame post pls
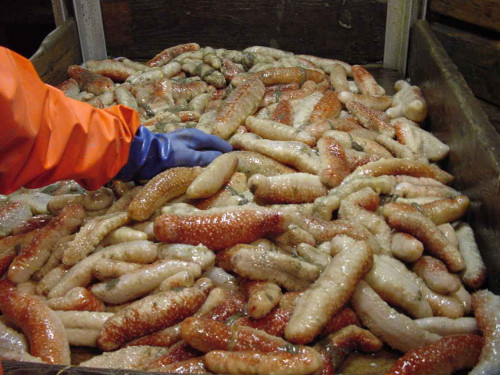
(90, 29)
(401, 14)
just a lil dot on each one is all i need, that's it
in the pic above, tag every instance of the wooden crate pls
(455, 117)
(469, 31)
(348, 30)
(477, 57)
(484, 13)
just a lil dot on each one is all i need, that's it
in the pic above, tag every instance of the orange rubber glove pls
(47, 137)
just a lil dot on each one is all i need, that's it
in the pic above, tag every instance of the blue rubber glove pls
(152, 153)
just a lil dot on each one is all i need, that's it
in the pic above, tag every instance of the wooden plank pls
(60, 10)
(31, 368)
(493, 112)
(456, 118)
(484, 13)
(60, 49)
(477, 58)
(350, 30)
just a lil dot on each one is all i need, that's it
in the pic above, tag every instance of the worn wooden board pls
(26, 368)
(60, 49)
(493, 112)
(350, 30)
(355, 364)
(477, 58)
(457, 118)
(484, 13)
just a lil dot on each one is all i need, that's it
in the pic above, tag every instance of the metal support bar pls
(60, 11)
(400, 16)
(90, 29)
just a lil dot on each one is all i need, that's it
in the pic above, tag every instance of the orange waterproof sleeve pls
(47, 137)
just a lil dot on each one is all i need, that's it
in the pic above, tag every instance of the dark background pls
(24, 24)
